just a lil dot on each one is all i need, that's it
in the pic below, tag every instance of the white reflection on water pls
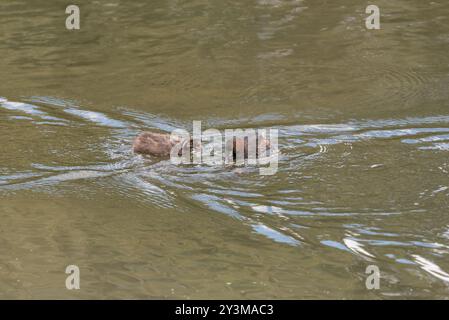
(96, 117)
(356, 247)
(244, 196)
(23, 107)
(275, 235)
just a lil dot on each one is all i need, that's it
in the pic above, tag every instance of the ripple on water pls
(274, 208)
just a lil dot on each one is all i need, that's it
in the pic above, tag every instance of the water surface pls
(363, 120)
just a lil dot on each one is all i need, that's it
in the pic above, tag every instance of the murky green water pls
(363, 118)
